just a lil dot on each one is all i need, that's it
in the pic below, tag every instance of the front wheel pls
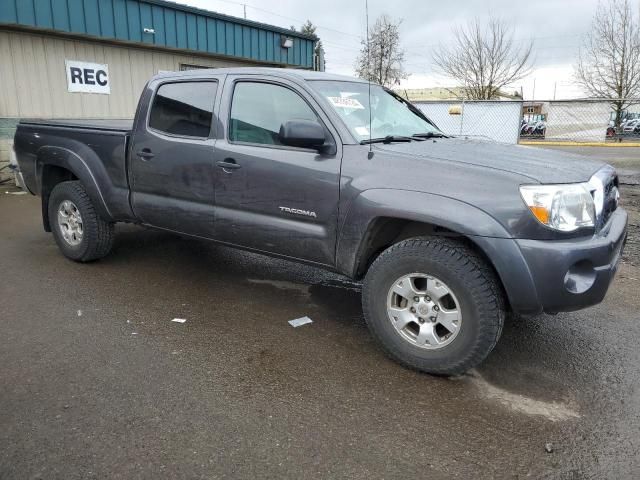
(81, 234)
(434, 305)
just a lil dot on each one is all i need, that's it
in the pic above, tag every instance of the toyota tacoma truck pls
(446, 234)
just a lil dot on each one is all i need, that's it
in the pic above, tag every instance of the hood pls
(538, 164)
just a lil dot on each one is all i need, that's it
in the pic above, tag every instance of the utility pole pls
(244, 5)
(533, 95)
(555, 86)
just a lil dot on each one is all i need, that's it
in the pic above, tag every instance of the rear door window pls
(184, 109)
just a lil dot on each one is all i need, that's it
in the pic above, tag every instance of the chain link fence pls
(513, 121)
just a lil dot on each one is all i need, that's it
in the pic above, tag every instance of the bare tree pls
(309, 28)
(484, 59)
(608, 64)
(381, 57)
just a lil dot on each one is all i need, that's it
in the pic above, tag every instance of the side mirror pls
(302, 133)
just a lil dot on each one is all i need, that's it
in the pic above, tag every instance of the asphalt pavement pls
(98, 382)
(625, 159)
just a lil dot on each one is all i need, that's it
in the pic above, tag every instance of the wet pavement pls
(625, 159)
(98, 382)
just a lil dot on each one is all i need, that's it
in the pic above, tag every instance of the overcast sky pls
(556, 27)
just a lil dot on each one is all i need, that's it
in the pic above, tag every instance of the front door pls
(171, 171)
(269, 196)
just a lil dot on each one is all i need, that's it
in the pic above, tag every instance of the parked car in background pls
(539, 128)
(632, 126)
(533, 128)
(446, 234)
(611, 131)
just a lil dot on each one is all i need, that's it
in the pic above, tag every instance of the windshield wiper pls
(391, 138)
(429, 135)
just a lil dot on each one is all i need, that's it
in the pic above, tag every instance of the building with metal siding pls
(135, 38)
(163, 24)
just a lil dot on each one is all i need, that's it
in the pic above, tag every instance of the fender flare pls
(489, 236)
(76, 164)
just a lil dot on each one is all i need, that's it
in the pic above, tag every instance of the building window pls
(184, 109)
(259, 109)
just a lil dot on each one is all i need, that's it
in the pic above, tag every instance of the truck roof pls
(291, 73)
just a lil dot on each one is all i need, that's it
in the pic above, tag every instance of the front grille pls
(604, 188)
(611, 197)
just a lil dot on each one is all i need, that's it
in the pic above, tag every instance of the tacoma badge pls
(295, 211)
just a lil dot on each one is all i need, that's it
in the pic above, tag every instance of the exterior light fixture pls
(286, 42)
(149, 30)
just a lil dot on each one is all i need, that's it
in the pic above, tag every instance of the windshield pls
(390, 116)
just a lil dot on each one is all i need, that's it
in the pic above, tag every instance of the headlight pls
(562, 207)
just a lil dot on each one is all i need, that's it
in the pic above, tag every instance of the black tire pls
(97, 234)
(476, 289)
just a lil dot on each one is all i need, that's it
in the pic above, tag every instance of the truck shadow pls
(549, 358)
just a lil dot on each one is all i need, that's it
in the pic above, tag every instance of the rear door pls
(171, 159)
(269, 196)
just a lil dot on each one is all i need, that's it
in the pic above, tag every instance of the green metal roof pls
(175, 26)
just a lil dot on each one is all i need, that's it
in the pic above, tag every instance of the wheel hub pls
(70, 223)
(424, 308)
(424, 311)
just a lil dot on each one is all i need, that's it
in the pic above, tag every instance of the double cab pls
(446, 234)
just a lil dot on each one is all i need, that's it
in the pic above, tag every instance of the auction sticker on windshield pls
(346, 102)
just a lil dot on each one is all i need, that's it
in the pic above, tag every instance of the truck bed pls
(100, 160)
(113, 125)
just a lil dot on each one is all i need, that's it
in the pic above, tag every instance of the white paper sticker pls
(300, 321)
(346, 102)
(364, 131)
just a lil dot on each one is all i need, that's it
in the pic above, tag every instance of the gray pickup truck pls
(446, 234)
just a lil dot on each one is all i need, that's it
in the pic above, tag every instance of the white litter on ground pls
(179, 320)
(134, 333)
(16, 193)
(79, 313)
(298, 322)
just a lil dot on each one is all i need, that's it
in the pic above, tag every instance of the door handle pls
(228, 164)
(145, 154)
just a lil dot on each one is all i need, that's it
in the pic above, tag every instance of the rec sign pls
(87, 77)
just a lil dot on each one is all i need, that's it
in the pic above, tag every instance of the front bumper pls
(573, 274)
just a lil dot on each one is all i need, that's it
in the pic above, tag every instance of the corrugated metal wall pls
(34, 83)
(33, 80)
(175, 26)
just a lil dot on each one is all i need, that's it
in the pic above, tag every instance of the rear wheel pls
(434, 305)
(81, 234)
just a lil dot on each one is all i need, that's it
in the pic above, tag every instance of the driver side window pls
(259, 109)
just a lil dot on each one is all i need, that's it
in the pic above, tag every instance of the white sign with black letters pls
(87, 77)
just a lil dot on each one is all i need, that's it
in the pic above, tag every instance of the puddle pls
(553, 411)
